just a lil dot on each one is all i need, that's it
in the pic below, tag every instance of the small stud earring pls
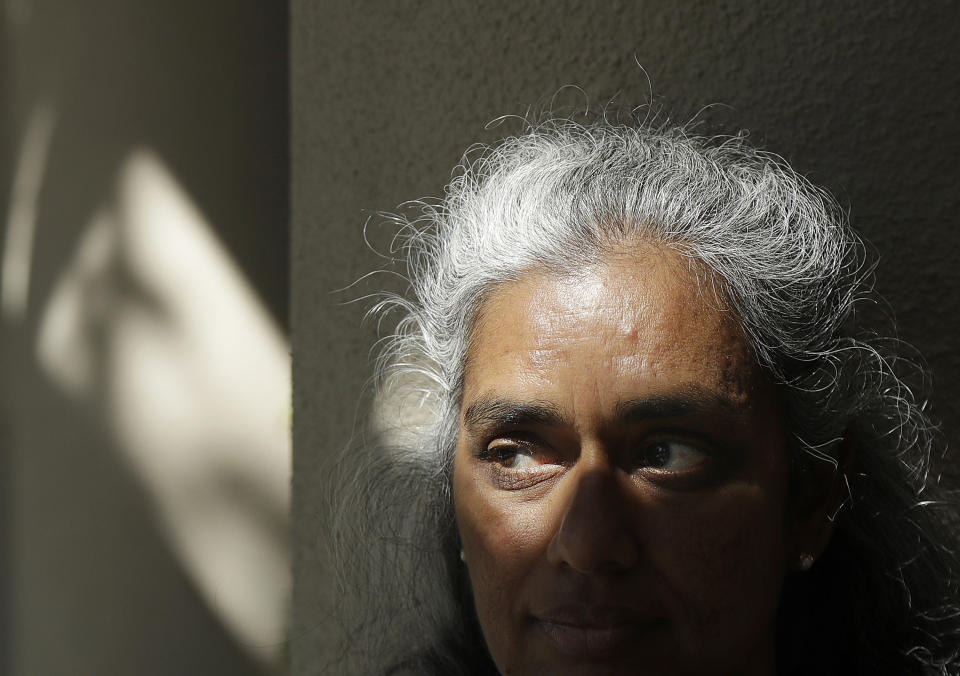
(463, 556)
(805, 562)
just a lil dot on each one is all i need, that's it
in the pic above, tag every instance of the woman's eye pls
(514, 455)
(672, 456)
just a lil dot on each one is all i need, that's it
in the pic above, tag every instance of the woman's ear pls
(819, 489)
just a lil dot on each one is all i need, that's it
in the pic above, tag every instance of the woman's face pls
(620, 480)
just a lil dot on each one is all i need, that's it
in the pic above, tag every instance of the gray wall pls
(860, 96)
(96, 588)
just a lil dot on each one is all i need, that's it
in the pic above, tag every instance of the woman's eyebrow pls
(688, 404)
(496, 411)
(493, 411)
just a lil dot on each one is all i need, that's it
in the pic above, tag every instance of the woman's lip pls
(596, 616)
(592, 631)
(594, 640)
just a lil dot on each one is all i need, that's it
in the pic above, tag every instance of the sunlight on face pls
(620, 481)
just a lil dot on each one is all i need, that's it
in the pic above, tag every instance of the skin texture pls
(621, 478)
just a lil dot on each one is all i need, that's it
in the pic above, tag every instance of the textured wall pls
(96, 589)
(860, 96)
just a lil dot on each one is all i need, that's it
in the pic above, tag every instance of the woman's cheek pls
(507, 538)
(723, 563)
(503, 544)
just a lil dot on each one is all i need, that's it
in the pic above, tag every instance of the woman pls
(631, 422)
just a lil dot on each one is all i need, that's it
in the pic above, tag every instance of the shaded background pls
(107, 105)
(145, 170)
(862, 97)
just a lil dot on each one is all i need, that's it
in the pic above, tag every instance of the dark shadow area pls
(6, 483)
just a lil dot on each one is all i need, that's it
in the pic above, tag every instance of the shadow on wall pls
(143, 287)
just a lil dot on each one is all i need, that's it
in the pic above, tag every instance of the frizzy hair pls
(560, 195)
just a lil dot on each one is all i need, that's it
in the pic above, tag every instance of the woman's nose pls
(595, 533)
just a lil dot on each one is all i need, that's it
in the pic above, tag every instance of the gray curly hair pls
(883, 598)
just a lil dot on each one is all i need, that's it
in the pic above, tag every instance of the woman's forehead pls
(640, 322)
